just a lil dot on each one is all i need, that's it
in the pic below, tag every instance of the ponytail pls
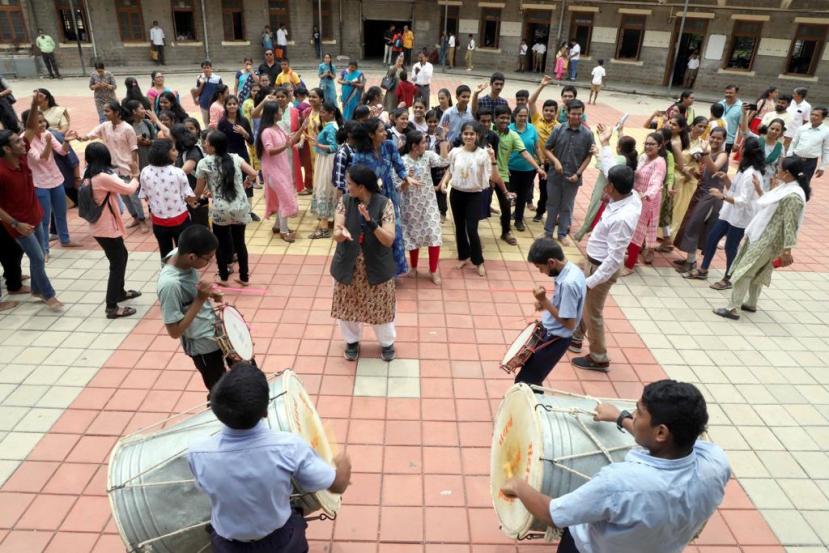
(627, 148)
(226, 167)
(794, 166)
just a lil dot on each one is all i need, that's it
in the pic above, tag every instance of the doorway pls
(693, 38)
(537, 29)
(373, 29)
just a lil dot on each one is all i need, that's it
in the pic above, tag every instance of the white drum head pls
(518, 343)
(306, 422)
(238, 333)
(516, 448)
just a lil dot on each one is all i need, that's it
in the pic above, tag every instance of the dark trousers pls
(116, 252)
(541, 207)
(8, 117)
(51, 64)
(407, 56)
(231, 239)
(11, 256)
(809, 166)
(521, 182)
(466, 211)
(167, 237)
(211, 366)
(288, 539)
(732, 234)
(423, 94)
(540, 363)
(728, 148)
(441, 197)
(200, 215)
(506, 210)
(160, 50)
(566, 545)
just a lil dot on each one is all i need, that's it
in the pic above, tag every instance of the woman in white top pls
(470, 167)
(739, 204)
(167, 191)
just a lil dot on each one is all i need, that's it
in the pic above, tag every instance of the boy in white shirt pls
(597, 82)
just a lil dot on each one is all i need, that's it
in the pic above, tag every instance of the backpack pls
(87, 208)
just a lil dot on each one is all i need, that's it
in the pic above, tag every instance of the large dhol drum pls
(553, 443)
(151, 490)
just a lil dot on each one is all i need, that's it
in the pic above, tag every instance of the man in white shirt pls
(470, 48)
(282, 40)
(800, 110)
(451, 46)
(597, 82)
(691, 70)
(781, 111)
(522, 56)
(605, 252)
(812, 144)
(423, 77)
(157, 40)
(575, 56)
(539, 49)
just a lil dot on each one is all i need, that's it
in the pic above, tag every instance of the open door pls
(693, 38)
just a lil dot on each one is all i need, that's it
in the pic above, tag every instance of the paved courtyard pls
(419, 430)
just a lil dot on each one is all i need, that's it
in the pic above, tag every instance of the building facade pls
(751, 43)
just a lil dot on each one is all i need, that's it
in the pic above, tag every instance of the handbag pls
(389, 82)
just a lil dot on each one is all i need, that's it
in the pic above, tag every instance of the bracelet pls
(13, 224)
(372, 225)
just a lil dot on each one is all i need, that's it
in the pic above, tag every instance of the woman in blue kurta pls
(352, 84)
(381, 156)
(325, 195)
(327, 74)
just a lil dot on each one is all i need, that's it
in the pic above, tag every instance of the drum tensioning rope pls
(550, 535)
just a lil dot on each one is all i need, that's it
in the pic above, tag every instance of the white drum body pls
(153, 497)
(552, 442)
(232, 333)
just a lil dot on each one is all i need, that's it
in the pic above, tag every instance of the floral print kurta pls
(419, 213)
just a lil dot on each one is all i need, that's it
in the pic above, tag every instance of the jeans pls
(117, 255)
(442, 55)
(732, 234)
(30, 245)
(466, 210)
(231, 239)
(53, 200)
(573, 68)
(561, 195)
(167, 237)
(544, 360)
(521, 182)
(133, 202)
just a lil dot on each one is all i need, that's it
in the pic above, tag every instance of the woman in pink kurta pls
(274, 147)
(649, 179)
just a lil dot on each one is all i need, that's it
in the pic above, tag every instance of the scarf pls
(767, 206)
(772, 158)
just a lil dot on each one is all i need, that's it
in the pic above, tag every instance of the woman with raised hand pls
(325, 196)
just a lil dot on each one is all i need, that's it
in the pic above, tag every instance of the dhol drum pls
(530, 340)
(233, 333)
(553, 443)
(154, 500)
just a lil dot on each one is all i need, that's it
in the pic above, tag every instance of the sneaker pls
(388, 353)
(352, 351)
(588, 363)
(575, 346)
(537, 219)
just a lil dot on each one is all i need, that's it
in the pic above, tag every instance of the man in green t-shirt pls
(46, 45)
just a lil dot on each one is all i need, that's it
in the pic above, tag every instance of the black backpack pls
(87, 208)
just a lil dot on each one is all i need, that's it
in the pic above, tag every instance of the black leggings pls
(541, 207)
(521, 182)
(116, 252)
(466, 211)
(167, 237)
(231, 239)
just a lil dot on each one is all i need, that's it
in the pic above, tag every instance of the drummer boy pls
(656, 500)
(560, 314)
(247, 470)
(186, 308)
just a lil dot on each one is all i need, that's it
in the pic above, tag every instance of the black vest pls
(379, 259)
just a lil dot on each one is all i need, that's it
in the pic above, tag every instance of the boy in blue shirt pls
(206, 86)
(247, 470)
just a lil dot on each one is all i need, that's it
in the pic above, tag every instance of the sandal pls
(748, 308)
(721, 285)
(130, 295)
(320, 233)
(696, 274)
(118, 312)
(727, 313)
(287, 236)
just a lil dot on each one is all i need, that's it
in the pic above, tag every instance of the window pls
(451, 23)
(806, 49)
(130, 20)
(327, 30)
(629, 40)
(184, 20)
(12, 25)
(490, 27)
(279, 14)
(234, 22)
(66, 24)
(581, 30)
(744, 41)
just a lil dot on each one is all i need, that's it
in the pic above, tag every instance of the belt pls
(593, 261)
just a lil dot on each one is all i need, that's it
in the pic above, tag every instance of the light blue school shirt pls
(568, 298)
(645, 504)
(247, 475)
(732, 115)
(453, 120)
(530, 139)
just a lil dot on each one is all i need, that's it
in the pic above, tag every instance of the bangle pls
(13, 224)
(372, 225)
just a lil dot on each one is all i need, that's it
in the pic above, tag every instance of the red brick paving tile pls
(475, 460)
(713, 549)
(762, 549)
(307, 364)
(716, 532)
(365, 458)
(402, 460)
(368, 408)
(466, 369)
(469, 388)
(473, 410)
(138, 342)
(440, 433)
(92, 449)
(438, 409)
(334, 406)
(463, 351)
(154, 359)
(484, 527)
(126, 400)
(108, 544)
(76, 542)
(46, 512)
(366, 432)
(461, 321)
(53, 447)
(321, 531)
(159, 401)
(400, 548)
(475, 434)
(401, 524)
(441, 460)
(93, 398)
(353, 547)
(447, 548)
(447, 524)
(284, 345)
(12, 507)
(30, 476)
(629, 390)
(142, 378)
(357, 523)
(339, 365)
(403, 409)
(735, 497)
(497, 384)
(435, 351)
(70, 478)
(402, 490)
(98, 484)
(432, 334)
(364, 489)
(599, 389)
(437, 368)
(491, 352)
(90, 514)
(403, 432)
(436, 388)
(337, 385)
(408, 350)
(164, 343)
(108, 378)
(24, 541)
(443, 490)
(477, 491)
(749, 527)
(109, 423)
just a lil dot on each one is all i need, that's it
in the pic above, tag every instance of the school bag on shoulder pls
(87, 208)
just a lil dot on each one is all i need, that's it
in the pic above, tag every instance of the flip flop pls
(721, 285)
(119, 312)
(130, 295)
(727, 313)
(696, 274)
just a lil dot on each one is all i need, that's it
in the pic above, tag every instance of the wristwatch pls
(625, 414)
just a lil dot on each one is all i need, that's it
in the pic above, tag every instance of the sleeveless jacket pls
(379, 260)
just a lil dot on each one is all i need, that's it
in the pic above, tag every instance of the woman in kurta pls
(648, 182)
(217, 106)
(419, 213)
(562, 60)
(771, 138)
(685, 179)
(677, 139)
(274, 148)
(363, 266)
(769, 238)
(328, 73)
(352, 84)
(290, 122)
(395, 72)
(57, 116)
(324, 199)
(521, 173)
(374, 150)
(156, 89)
(307, 153)
(373, 99)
